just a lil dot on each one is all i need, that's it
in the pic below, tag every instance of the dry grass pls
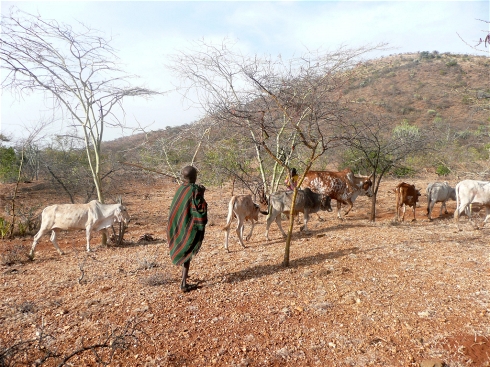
(356, 293)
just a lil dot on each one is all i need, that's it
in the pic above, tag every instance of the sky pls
(146, 33)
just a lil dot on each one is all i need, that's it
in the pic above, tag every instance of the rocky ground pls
(356, 293)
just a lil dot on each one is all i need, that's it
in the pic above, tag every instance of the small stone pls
(432, 363)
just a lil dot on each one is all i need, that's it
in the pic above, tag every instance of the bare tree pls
(485, 41)
(31, 140)
(289, 108)
(377, 145)
(75, 68)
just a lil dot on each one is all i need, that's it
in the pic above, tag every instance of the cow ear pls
(119, 199)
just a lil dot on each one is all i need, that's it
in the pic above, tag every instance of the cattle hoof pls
(188, 287)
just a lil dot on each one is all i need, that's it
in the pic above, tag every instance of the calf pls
(306, 202)
(438, 192)
(406, 195)
(243, 208)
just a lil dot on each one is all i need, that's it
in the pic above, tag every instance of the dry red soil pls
(356, 293)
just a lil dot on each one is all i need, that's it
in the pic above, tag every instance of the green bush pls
(8, 164)
(437, 120)
(451, 62)
(4, 228)
(442, 170)
(403, 172)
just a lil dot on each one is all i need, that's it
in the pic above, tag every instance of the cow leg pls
(339, 215)
(249, 236)
(466, 207)
(445, 208)
(55, 243)
(487, 217)
(278, 221)
(38, 235)
(306, 216)
(227, 234)
(429, 210)
(404, 210)
(349, 206)
(239, 231)
(270, 219)
(413, 220)
(88, 235)
(277, 218)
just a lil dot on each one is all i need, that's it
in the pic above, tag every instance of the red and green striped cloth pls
(186, 222)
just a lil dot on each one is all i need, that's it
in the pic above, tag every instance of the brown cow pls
(406, 195)
(342, 186)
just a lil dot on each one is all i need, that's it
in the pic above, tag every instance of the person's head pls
(293, 172)
(189, 174)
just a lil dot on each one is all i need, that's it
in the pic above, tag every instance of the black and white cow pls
(307, 202)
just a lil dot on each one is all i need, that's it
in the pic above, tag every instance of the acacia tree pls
(75, 68)
(378, 146)
(289, 107)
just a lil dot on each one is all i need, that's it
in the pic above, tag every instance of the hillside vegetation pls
(447, 93)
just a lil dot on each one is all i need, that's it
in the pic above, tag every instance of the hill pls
(447, 93)
(421, 87)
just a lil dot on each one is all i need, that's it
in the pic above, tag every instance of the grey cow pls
(307, 202)
(439, 192)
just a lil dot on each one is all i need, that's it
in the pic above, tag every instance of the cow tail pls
(429, 194)
(456, 212)
(230, 213)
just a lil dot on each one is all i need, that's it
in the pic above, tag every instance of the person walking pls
(186, 223)
(292, 179)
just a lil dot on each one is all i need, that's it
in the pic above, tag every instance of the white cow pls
(92, 216)
(243, 208)
(439, 192)
(469, 192)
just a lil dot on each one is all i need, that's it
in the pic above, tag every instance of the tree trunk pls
(290, 229)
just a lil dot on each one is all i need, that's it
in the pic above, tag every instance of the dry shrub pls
(157, 279)
(14, 253)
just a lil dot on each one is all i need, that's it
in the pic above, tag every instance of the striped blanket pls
(186, 223)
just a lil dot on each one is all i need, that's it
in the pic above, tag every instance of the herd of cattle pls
(315, 194)
(319, 187)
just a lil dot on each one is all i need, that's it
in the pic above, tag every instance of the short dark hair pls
(293, 171)
(189, 174)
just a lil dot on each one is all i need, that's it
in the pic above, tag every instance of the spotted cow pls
(342, 186)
